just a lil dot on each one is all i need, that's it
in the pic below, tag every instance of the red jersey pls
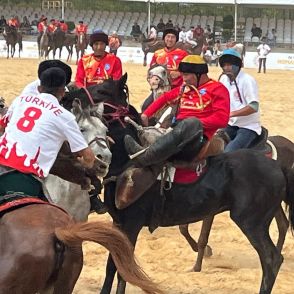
(210, 104)
(63, 27)
(92, 70)
(41, 26)
(52, 28)
(13, 22)
(172, 60)
(81, 28)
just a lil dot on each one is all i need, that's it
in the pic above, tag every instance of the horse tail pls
(116, 243)
(289, 175)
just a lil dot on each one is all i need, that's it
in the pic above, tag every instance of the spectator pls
(177, 28)
(114, 42)
(160, 26)
(63, 26)
(271, 37)
(136, 31)
(263, 50)
(190, 37)
(169, 24)
(255, 31)
(2, 21)
(216, 51)
(35, 21)
(81, 28)
(198, 32)
(182, 35)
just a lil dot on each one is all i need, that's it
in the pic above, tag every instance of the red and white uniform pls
(41, 26)
(52, 27)
(63, 27)
(35, 129)
(81, 29)
(211, 105)
(172, 60)
(92, 70)
(13, 23)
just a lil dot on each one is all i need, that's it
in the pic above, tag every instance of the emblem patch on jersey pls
(202, 91)
(107, 66)
(176, 57)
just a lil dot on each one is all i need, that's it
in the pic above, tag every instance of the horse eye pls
(82, 130)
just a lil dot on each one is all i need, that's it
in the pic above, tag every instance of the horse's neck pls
(158, 92)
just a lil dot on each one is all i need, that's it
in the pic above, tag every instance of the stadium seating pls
(122, 22)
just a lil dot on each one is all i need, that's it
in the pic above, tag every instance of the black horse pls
(245, 182)
(12, 37)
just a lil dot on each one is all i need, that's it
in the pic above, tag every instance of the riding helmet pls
(53, 77)
(170, 31)
(193, 64)
(98, 36)
(231, 56)
(44, 65)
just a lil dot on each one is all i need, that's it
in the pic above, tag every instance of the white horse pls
(68, 195)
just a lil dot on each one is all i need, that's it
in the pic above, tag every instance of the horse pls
(58, 38)
(69, 42)
(81, 45)
(12, 37)
(284, 154)
(153, 46)
(251, 191)
(71, 196)
(45, 44)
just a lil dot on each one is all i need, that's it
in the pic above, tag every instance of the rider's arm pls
(86, 157)
(153, 60)
(161, 101)
(80, 75)
(117, 69)
(219, 117)
(247, 110)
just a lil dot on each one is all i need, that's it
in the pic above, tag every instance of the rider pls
(244, 125)
(34, 130)
(42, 25)
(52, 26)
(14, 22)
(63, 26)
(190, 37)
(114, 43)
(96, 67)
(200, 101)
(81, 28)
(170, 56)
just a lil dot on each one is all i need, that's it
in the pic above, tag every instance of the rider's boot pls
(96, 203)
(186, 131)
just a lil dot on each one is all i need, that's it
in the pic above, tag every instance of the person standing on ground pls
(263, 50)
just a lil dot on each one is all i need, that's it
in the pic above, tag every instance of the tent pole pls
(236, 17)
(62, 9)
(149, 16)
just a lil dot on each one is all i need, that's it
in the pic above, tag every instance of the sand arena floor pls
(165, 256)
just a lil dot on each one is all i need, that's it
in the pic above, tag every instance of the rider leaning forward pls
(170, 56)
(96, 67)
(34, 134)
(244, 125)
(203, 106)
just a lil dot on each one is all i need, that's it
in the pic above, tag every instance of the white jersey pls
(249, 93)
(35, 129)
(264, 50)
(189, 35)
(31, 88)
(182, 36)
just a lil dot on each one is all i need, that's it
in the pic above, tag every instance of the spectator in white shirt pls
(182, 35)
(263, 50)
(189, 37)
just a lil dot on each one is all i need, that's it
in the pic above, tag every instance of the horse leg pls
(283, 225)
(270, 257)
(184, 230)
(145, 59)
(8, 50)
(203, 248)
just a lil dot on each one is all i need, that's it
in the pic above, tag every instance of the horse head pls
(95, 133)
(158, 77)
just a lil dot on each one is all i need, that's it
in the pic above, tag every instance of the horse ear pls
(123, 79)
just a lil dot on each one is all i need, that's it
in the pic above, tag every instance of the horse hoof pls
(208, 251)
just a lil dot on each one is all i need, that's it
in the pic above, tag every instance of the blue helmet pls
(230, 56)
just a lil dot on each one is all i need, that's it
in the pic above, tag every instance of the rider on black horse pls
(203, 106)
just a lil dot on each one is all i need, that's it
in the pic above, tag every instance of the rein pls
(89, 95)
(120, 112)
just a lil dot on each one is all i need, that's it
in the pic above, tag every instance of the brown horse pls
(151, 47)
(285, 156)
(81, 45)
(41, 250)
(12, 37)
